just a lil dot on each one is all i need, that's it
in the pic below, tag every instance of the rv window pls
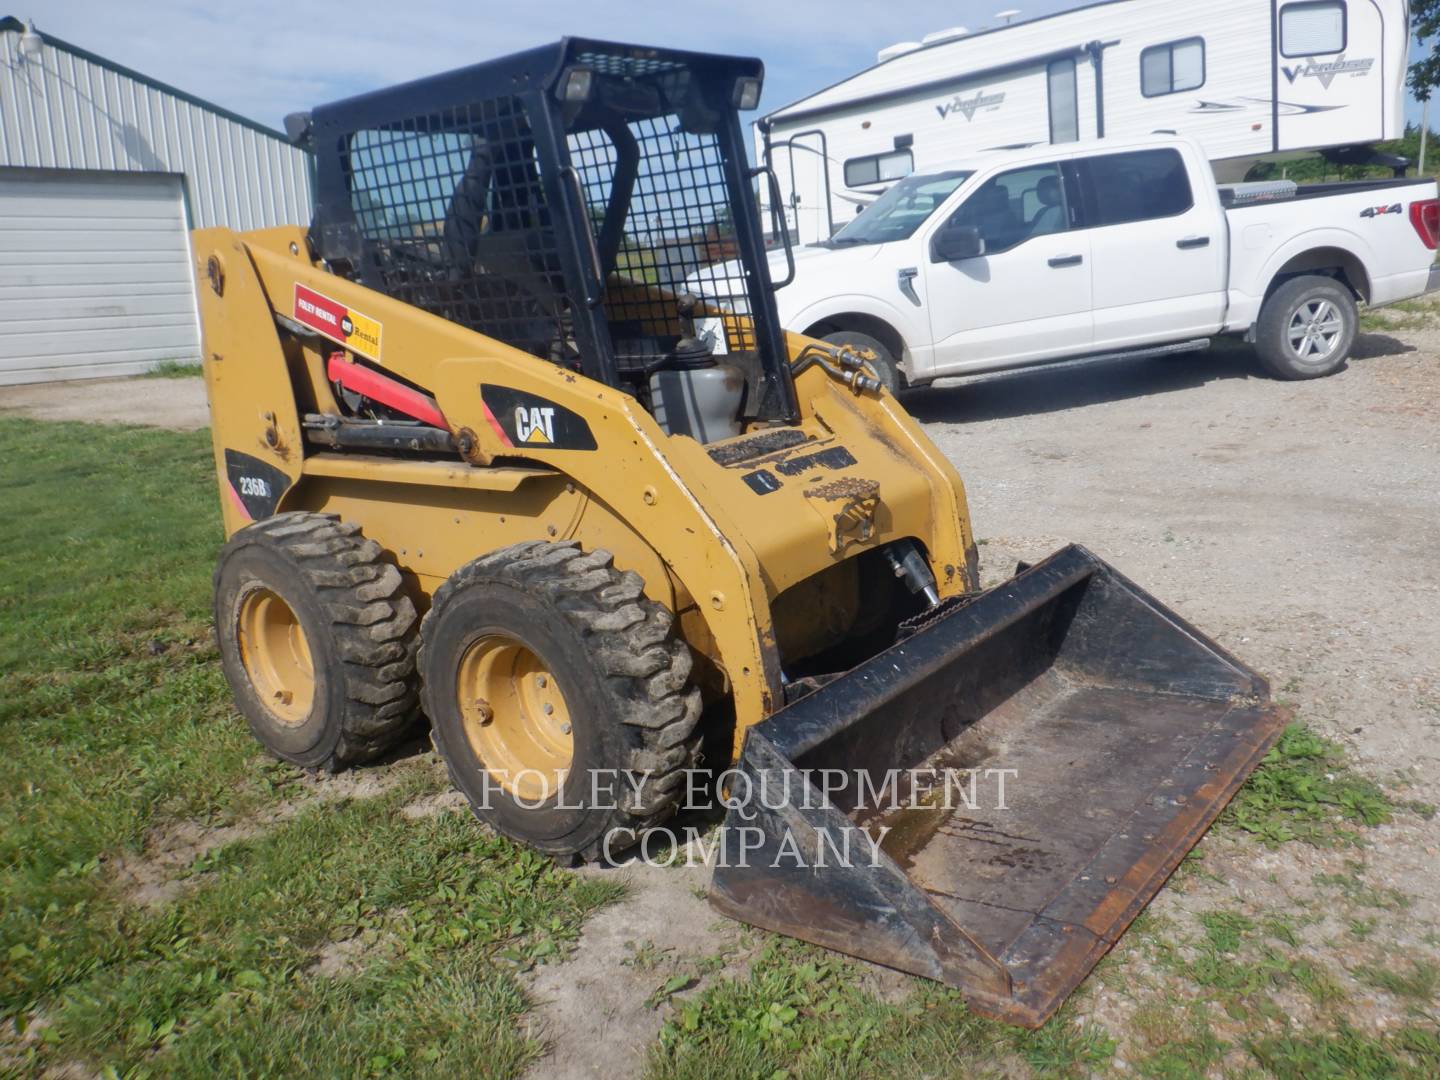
(1312, 29)
(1016, 206)
(878, 168)
(1173, 67)
(1138, 186)
(1064, 103)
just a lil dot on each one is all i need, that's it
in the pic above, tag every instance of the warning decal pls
(337, 322)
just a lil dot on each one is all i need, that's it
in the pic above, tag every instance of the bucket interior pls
(1117, 731)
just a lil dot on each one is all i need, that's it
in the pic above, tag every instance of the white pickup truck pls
(1117, 247)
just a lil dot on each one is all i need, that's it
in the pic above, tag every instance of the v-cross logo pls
(968, 107)
(1329, 71)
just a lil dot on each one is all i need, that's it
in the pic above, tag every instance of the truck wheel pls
(1307, 328)
(886, 366)
(317, 639)
(559, 697)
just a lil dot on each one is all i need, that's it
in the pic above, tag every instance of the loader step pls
(1119, 734)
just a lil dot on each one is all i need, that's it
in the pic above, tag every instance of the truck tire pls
(317, 639)
(1307, 328)
(547, 674)
(886, 366)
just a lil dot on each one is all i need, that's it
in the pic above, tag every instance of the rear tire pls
(547, 674)
(1307, 328)
(317, 639)
(886, 366)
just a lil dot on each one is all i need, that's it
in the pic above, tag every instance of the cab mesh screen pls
(455, 220)
(676, 235)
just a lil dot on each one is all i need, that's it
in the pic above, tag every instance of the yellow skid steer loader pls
(523, 374)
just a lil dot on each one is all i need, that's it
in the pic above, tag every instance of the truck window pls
(1136, 186)
(1015, 206)
(1172, 67)
(878, 168)
(1312, 28)
(901, 210)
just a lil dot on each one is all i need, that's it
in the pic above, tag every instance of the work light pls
(747, 93)
(578, 83)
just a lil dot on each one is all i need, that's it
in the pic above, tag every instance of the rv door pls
(801, 164)
(1333, 73)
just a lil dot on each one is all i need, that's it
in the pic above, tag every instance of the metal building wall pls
(68, 109)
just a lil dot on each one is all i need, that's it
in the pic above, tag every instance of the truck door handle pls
(1192, 242)
(1061, 261)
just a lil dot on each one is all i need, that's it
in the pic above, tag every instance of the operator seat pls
(498, 253)
(1051, 218)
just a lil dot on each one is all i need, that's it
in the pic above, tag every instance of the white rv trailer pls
(1247, 79)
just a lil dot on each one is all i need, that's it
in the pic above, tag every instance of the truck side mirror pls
(956, 242)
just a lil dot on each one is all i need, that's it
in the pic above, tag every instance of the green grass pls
(175, 369)
(1347, 1054)
(1187, 1043)
(1421, 314)
(1238, 965)
(1303, 790)
(116, 720)
(1352, 887)
(801, 1012)
(1420, 983)
(1381, 321)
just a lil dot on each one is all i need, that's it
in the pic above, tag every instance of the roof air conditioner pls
(898, 49)
(945, 35)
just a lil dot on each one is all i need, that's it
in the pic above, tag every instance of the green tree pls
(1425, 72)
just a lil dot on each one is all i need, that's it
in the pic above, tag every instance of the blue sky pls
(265, 58)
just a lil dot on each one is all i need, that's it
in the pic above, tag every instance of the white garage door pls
(94, 275)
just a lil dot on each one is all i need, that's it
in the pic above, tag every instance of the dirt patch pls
(599, 1011)
(16, 1047)
(157, 875)
(444, 802)
(177, 404)
(338, 959)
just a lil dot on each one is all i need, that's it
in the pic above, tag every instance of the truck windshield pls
(901, 210)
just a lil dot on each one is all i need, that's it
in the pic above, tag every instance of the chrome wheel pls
(1316, 330)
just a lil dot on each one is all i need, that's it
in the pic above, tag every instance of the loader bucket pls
(1123, 732)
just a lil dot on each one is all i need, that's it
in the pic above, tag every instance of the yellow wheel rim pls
(276, 656)
(515, 717)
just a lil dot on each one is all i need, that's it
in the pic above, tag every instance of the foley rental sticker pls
(337, 322)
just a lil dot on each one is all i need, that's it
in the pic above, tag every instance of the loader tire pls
(886, 366)
(546, 675)
(317, 639)
(1307, 328)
